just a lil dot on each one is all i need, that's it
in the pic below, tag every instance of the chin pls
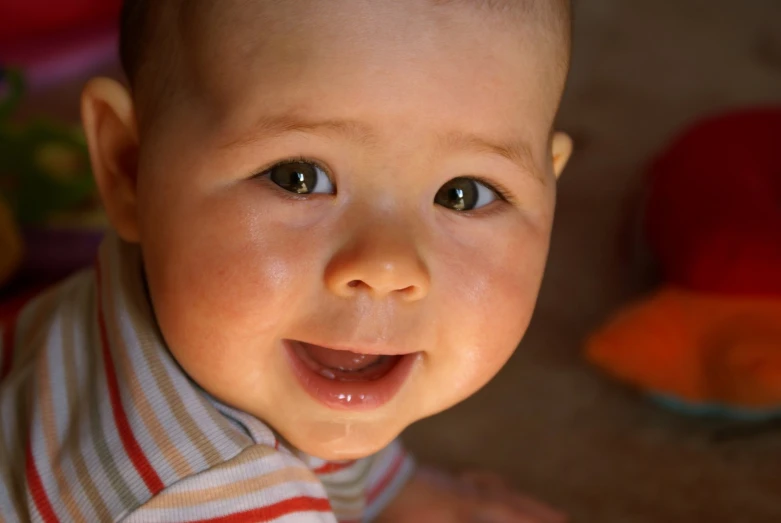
(346, 453)
(341, 440)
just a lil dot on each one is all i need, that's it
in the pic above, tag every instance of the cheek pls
(221, 273)
(491, 295)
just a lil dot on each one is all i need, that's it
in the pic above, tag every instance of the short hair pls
(137, 30)
(133, 35)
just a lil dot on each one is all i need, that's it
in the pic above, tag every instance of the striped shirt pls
(99, 423)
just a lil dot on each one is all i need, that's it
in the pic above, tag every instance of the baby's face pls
(346, 213)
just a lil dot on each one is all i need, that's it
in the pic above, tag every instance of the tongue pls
(340, 359)
(344, 365)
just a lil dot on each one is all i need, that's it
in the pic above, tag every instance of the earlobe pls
(561, 151)
(110, 125)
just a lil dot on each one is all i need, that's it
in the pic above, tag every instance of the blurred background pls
(643, 72)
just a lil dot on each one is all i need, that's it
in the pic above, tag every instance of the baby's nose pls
(380, 263)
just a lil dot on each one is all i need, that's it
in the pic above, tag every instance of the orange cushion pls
(697, 347)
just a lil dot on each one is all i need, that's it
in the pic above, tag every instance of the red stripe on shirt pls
(133, 449)
(35, 485)
(387, 479)
(272, 512)
(330, 468)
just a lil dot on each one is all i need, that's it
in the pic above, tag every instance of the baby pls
(331, 220)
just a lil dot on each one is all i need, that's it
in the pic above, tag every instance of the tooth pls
(327, 374)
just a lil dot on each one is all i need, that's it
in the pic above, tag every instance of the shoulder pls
(42, 372)
(31, 327)
(260, 484)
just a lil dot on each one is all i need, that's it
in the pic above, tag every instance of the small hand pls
(433, 496)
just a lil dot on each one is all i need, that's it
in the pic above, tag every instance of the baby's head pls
(344, 207)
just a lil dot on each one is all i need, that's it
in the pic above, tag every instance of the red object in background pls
(54, 41)
(714, 212)
(26, 20)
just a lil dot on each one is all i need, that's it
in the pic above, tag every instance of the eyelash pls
(294, 159)
(504, 194)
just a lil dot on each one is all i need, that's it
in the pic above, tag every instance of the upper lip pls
(370, 349)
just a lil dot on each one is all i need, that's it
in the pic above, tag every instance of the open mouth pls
(345, 379)
(343, 365)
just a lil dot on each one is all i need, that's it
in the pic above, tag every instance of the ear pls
(561, 150)
(112, 134)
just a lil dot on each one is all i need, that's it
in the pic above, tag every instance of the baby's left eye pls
(465, 194)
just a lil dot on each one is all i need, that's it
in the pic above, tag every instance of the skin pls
(235, 264)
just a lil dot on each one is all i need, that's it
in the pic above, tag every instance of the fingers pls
(506, 505)
(436, 478)
(485, 481)
(483, 497)
(543, 513)
(503, 513)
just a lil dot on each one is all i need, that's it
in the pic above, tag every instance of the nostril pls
(409, 291)
(412, 293)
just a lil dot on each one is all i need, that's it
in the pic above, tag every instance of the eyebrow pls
(271, 127)
(518, 152)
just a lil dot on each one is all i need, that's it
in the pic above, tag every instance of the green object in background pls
(44, 167)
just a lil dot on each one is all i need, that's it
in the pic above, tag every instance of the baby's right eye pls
(301, 178)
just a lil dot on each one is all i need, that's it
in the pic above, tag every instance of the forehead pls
(503, 7)
(241, 32)
(369, 60)
(206, 21)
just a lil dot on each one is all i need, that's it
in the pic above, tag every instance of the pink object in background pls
(53, 41)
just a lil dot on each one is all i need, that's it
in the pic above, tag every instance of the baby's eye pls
(465, 194)
(301, 178)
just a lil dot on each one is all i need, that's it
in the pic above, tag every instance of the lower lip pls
(350, 395)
